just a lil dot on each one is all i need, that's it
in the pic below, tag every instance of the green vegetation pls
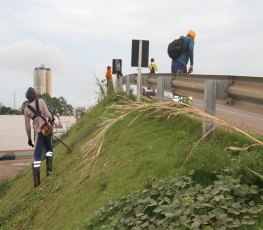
(55, 105)
(181, 204)
(9, 111)
(124, 156)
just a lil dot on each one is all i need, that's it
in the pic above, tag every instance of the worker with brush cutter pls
(42, 124)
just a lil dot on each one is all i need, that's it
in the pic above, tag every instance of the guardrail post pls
(128, 84)
(209, 103)
(145, 80)
(119, 83)
(160, 89)
(221, 89)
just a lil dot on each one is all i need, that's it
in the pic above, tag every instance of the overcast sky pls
(77, 39)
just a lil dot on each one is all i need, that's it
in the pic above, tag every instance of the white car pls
(183, 99)
(148, 92)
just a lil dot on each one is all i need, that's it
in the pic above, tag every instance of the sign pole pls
(139, 80)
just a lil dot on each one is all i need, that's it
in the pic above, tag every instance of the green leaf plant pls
(182, 204)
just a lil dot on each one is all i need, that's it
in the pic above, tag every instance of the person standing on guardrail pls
(179, 64)
(152, 66)
(36, 110)
(108, 75)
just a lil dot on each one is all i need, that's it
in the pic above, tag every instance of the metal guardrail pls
(238, 91)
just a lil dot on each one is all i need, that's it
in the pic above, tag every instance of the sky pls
(77, 39)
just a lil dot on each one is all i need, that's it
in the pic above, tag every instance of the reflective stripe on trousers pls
(36, 164)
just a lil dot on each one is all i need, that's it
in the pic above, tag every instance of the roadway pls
(247, 121)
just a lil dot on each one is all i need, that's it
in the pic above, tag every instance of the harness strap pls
(37, 106)
(33, 110)
(37, 113)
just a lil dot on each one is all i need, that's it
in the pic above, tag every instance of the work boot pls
(49, 159)
(36, 175)
(48, 165)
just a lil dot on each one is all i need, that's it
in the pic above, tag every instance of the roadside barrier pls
(238, 91)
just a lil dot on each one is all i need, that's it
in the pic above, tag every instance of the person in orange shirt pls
(108, 75)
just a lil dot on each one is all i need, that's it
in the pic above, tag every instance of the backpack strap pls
(36, 112)
(37, 107)
(33, 110)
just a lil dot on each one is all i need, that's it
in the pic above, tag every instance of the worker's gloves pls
(30, 142)
(51, 119)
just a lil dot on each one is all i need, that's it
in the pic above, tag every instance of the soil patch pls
(10, 168)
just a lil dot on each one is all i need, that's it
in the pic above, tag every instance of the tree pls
(9, 111)
(55, 105)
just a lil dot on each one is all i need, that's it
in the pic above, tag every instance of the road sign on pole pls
(117, 66)
(140, 57)
(135, 53)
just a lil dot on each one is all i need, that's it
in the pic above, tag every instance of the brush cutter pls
(57, 115)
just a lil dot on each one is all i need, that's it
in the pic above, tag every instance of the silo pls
(43, 77)
(43, 80)
(49, 81)
(37, 80)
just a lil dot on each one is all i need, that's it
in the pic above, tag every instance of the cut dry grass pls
(238, 149)
(91, 149)
(167, 109)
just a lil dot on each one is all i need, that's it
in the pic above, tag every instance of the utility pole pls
(14, 100)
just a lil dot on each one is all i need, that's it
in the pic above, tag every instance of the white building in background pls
(13, 135)
(43, 80)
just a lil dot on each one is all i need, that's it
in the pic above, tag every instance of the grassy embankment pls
(136, 153)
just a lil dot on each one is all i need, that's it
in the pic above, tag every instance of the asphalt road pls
(10, 168)
(247, 121)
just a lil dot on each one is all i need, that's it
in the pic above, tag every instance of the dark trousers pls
(43, 142)
(178, 67)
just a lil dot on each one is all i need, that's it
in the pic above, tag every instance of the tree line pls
(55, 105)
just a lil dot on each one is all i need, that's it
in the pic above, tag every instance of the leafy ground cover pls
(182, 204)
(114, 153)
